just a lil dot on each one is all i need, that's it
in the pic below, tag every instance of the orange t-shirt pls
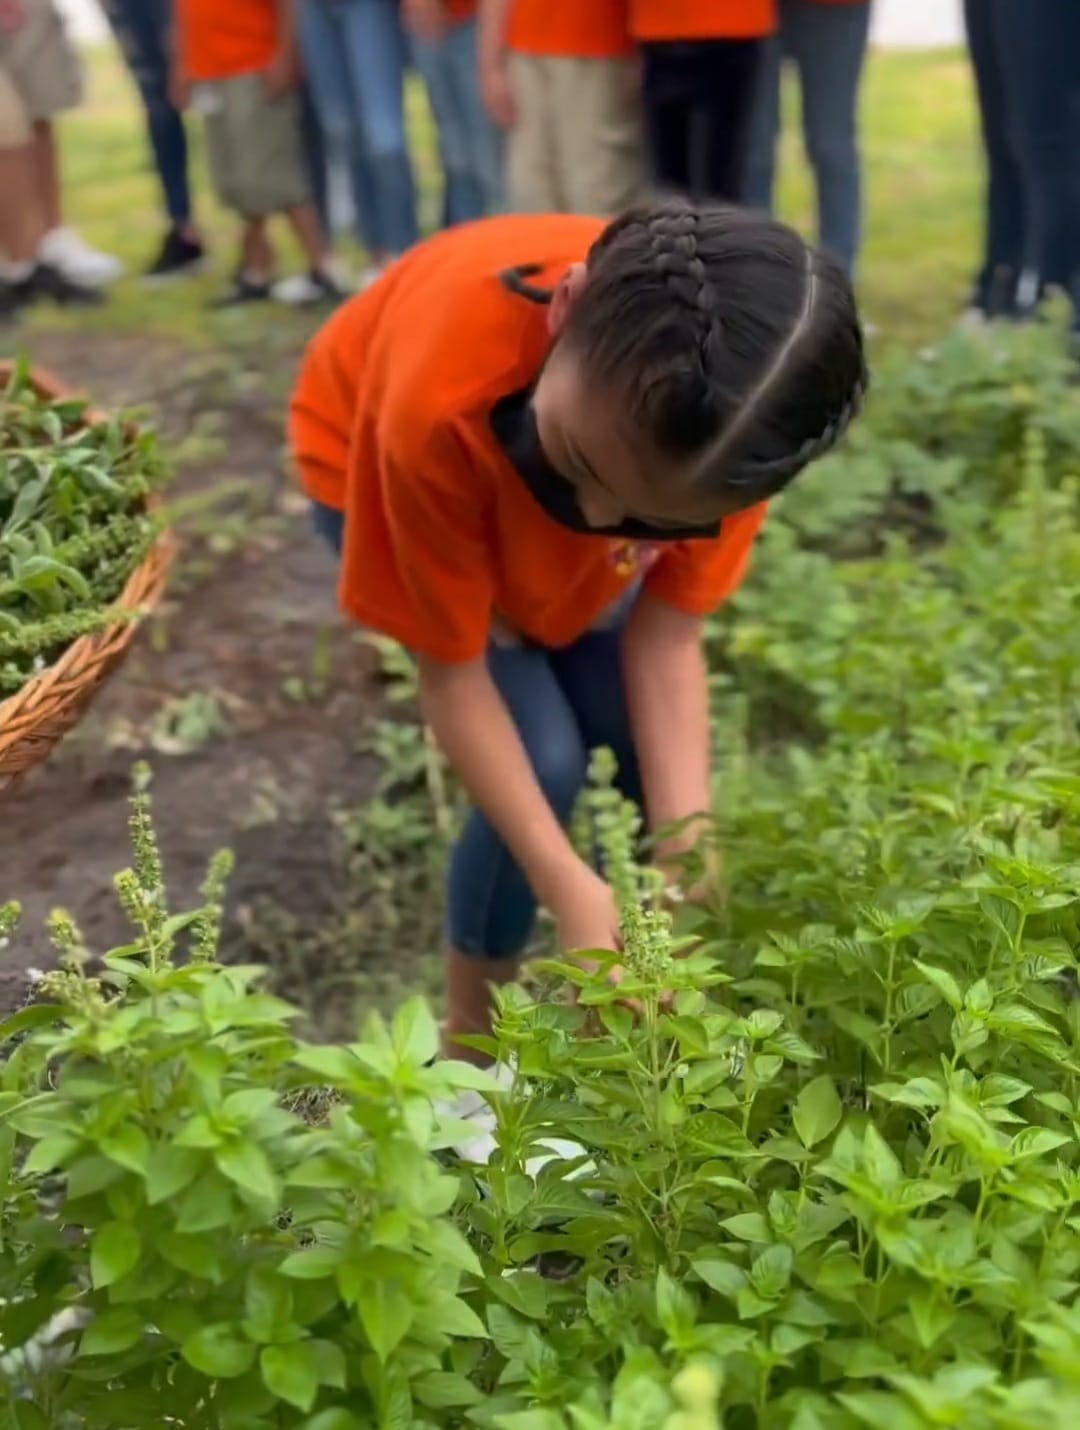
(702, 19)
(222, 38)
(391, 423)
(577, 29)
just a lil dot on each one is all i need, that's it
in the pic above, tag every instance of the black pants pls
(699, 97)
(1054, 140)
(1027, 74)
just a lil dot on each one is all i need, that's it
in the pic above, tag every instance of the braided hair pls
(730, 344)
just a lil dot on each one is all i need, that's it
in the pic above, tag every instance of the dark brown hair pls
(728, 338)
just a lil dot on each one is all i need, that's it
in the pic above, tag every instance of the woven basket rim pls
(36, 717)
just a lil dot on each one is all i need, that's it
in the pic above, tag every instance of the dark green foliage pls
(73, 524)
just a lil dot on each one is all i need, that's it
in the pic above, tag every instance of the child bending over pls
(543, 446)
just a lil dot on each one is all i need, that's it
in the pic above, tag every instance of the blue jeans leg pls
(333, 83)
(564, 704)
(490, 906)
(828, 44)
(377, 53)
(469, 144)
(142, 28)
(328, 524)
(315, 158)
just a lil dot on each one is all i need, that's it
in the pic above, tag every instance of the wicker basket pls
(38, 716)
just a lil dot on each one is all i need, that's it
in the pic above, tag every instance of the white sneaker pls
(68, 251)
(330, 283)
(477, 1142)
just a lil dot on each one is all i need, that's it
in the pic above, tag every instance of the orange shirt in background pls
(390, 422)
(576, 29)
(222, 38)
(702, 19)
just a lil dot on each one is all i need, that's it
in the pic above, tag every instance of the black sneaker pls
(1001, 301)
(244, 291)
(48, 284)
(178, 257)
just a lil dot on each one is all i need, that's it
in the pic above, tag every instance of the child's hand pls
(495, 86)
(671, 859)
(426, 19)
(586, 913)
(282, 73)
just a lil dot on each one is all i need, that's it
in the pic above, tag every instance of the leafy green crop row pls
(828, 1179)
(73, 524)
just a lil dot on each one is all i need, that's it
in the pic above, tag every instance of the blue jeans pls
(1027, 75)
(469, 143)
(355, 52)
(565, 703)
(828, 46)
(315, 158)
(142, 30)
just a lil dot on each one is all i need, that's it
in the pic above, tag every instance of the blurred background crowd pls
(573, 105)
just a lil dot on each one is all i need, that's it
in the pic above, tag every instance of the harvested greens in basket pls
(74, 523)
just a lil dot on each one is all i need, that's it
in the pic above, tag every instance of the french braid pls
(672, 235)
(732, 347)
(765, 478)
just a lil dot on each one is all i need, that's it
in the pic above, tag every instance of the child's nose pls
(599, 509)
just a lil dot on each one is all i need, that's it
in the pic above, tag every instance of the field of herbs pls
(827, 1178)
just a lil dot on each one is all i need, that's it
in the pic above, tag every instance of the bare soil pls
(246, 693)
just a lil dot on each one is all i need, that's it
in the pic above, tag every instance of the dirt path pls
(246, 694)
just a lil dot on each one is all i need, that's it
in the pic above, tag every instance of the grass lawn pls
(922, 201)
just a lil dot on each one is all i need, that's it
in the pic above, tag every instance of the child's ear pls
(564, 298)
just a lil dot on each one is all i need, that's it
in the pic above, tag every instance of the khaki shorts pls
(254, 146)
(41, 64)
(577, 145)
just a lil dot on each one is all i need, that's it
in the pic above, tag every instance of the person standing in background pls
(560, 77)
(999, 39)
(827, 41)
(237, 66)
(315, 160)
(700, 64)
(1054, 146)
(42, 72)
(355, 53)
(445, 51)
(24, 278)
(143, 30)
